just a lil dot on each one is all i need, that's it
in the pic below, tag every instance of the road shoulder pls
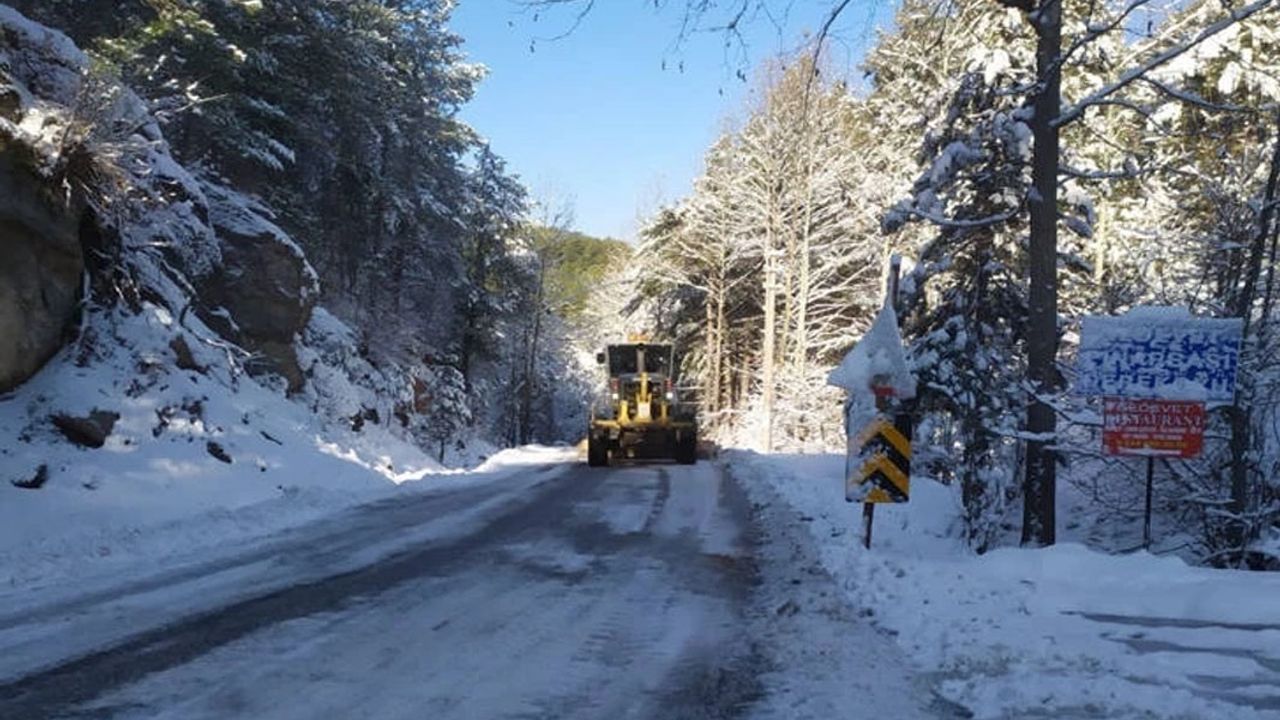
(824, 659)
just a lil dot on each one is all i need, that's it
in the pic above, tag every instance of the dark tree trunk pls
(1039, 517)
(527, 396)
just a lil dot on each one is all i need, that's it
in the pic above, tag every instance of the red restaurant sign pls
(1172, 428)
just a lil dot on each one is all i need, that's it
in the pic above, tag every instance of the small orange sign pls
(1172, 428)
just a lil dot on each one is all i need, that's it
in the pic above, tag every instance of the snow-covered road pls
(638, 592)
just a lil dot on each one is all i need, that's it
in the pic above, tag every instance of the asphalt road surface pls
(652, 591)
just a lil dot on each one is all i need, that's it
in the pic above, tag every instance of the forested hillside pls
(337, 122)
(1166, 194)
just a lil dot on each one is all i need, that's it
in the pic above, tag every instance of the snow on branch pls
(1192, 98)
(947, 222)
(1130, 170)
(1076, 111)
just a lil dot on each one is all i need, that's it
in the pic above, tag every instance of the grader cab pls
(639, 414)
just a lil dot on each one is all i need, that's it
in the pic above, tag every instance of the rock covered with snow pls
(76, 148)
(37, 60)
(341, 382)
(263, 292)
(140, 413)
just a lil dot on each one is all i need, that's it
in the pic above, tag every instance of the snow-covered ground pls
(156, 492)
(106, 605)
(1060, 632)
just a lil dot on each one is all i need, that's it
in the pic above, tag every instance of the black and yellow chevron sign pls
(882, 471)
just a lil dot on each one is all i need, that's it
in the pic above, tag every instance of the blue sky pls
(593, 117)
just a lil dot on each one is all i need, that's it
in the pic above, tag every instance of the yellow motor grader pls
(639, 415)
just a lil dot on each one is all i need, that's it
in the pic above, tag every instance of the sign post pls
(877, 379)
(1151, 429)
(1146, 511)
(1156, 369)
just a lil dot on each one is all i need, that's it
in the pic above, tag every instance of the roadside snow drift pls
(1060, 632)
(193, 458)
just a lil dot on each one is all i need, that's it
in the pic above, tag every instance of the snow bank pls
(157, 484)
(1055, 632)
(156, 490)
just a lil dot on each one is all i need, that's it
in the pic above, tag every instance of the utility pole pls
(1039, 513)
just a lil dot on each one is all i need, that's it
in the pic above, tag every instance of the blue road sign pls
(1152, 354)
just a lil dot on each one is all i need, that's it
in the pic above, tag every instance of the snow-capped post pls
(877, 379)
(1156, 368)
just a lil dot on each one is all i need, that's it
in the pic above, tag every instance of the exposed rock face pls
(10, 104)
(41, 261)
(91, 431)
(186, 359)
(265, 285)
(41, 267)
(254, 286)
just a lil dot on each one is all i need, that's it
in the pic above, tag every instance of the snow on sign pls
(1173, 428)
(1159, 353)
(879, 358)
